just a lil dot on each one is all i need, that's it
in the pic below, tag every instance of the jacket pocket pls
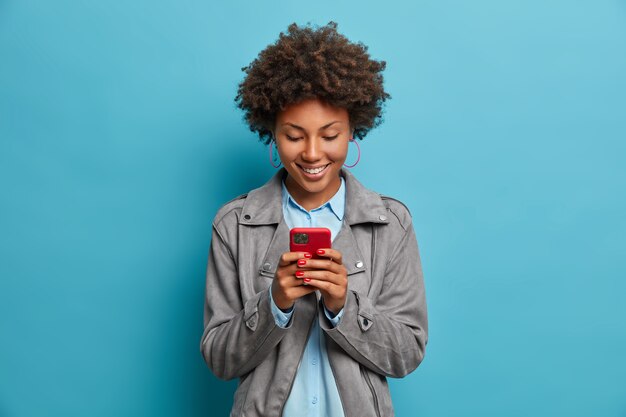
(368, 382)
(359, 281)
(264, 278)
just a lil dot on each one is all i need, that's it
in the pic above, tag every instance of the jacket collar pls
(263, 205)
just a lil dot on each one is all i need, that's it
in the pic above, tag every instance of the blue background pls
(119, 140)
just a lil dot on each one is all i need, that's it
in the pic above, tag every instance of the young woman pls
(313, 337)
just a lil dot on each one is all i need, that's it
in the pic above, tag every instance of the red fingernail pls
(320, 251)
(299, 273)
(307, 255)
(307, 279)
(301, 262)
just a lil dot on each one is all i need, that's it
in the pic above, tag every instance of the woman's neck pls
(310, 200)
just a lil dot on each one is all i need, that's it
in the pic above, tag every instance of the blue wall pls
(119, 139)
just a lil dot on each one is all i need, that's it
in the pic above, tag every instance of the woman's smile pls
(314, 173)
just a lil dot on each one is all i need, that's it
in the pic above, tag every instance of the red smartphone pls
(309, 239)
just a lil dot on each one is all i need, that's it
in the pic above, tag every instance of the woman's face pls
(312, 140)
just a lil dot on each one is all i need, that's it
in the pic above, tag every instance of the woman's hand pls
(327, 275)
(286, 287)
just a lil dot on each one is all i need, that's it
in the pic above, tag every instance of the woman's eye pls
(292, 138)
(331, 137)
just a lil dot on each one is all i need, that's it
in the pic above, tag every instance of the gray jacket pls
(383, 331)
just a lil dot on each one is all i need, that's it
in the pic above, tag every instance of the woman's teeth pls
(314, 171)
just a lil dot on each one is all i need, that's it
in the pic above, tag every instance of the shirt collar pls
(337, 203)
(263, 205)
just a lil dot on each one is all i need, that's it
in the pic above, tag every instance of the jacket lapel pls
(346, 243)
(278, 245)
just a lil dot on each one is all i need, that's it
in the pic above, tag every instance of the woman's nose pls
(312, 151)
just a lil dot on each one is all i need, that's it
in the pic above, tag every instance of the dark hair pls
(312, 63)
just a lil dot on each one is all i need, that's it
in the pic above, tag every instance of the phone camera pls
(301, 238)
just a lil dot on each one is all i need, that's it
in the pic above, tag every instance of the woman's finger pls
(287, 277)
(324, 264)
(330, 253)
(321, 275)
(289, 269)
(301, 291)
(321, 285)
(290, 257)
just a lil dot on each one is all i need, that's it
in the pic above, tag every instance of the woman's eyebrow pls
(301, 128)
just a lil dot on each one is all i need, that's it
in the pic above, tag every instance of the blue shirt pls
(314, 392)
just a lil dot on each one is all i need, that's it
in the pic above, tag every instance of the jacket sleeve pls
(388, 336)
(237, 336)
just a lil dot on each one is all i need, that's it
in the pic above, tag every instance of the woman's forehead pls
(312, 113)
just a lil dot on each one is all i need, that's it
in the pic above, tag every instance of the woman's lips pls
(316, 174)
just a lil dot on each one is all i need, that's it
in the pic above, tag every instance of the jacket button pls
(359, 264)
(382, 217)
(267, 266)
(246, 216)
(365, 322)
(252, 322)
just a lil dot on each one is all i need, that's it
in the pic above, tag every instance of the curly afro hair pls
(312, 63)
